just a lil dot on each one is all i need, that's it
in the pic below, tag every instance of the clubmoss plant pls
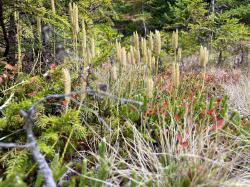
(93, 51)
(83, 88)
(136, 40)
(73, 12)
(114, 72)
(39, 29)
(150, 57)
(118, 51)
(136, 44)
(124, 56)
(150, 41)
(175, 40)
(88, 57)
(67, 86)
(19, 44)
(144, 47)
(150, 87)
(84, 39)
(132, 52)
(129, 57)
(157, 42)
(53, 8)
(177, 59)
(204, 57)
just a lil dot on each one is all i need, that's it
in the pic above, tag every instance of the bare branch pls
(90, 92)
(7, 102)
(13, 145)
(38, 157)
(106, 94)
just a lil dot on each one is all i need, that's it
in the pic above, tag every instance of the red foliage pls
(150, 111)
(186, 107)
(184, 145)
(52, 66)
(218, 124)
(32, 94)
(218, 100)
(165, 105)
(211, 112)
(243, 122)
(177, 117)
(181, 144)
(190, 97)
(179, 137)
(9, 67)
(65, 102)
(190, 122)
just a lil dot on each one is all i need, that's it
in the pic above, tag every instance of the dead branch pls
(13, 145)
(32, 146)
(102, 94)
(7, 102)
(38, 157)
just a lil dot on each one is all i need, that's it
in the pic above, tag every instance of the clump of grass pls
(205, 161)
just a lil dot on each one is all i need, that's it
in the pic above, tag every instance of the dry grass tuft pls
(208, 160)
(239, 95)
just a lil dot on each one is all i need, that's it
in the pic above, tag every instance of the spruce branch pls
(31, 144)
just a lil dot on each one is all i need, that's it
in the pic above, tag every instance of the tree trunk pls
(220, 58)
(7, 44)
(12, 56)
(212, 5)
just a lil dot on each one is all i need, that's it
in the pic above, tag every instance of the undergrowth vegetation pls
(121, 112)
